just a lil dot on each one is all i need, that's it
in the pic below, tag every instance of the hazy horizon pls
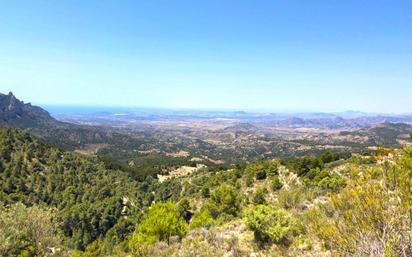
(71, 109)
(81, 108)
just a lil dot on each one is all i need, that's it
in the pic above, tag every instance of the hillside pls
(89, 197)
(384, 134)
(311, 206)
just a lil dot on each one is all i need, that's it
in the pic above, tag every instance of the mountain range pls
(209, 137)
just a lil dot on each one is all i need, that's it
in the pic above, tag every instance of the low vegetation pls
(329, 205)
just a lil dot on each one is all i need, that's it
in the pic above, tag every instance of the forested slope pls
(91, 200)
(59, 203)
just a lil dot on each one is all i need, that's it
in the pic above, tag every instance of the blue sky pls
(322, 55)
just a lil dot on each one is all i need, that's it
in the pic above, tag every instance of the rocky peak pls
(16, 112)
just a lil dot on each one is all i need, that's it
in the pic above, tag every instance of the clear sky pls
(320, 55)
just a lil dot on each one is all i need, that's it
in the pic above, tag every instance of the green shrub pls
(27, 231)
(162, 221)
(259, 196)
(324, 180)
(276, 184)
(249, 179)
(329, 157)
(262, 169)
(205, 191)
(184, 209)
(272, 168)
(202, 219)
(224, 204)
(305, 164)
(119, 232)
(226, 199)
(271, 225)
(261, 175)
(292, 198)
(93, 250)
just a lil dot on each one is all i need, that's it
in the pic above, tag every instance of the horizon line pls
(214, 109)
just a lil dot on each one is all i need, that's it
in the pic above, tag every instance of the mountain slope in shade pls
(16, 113)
